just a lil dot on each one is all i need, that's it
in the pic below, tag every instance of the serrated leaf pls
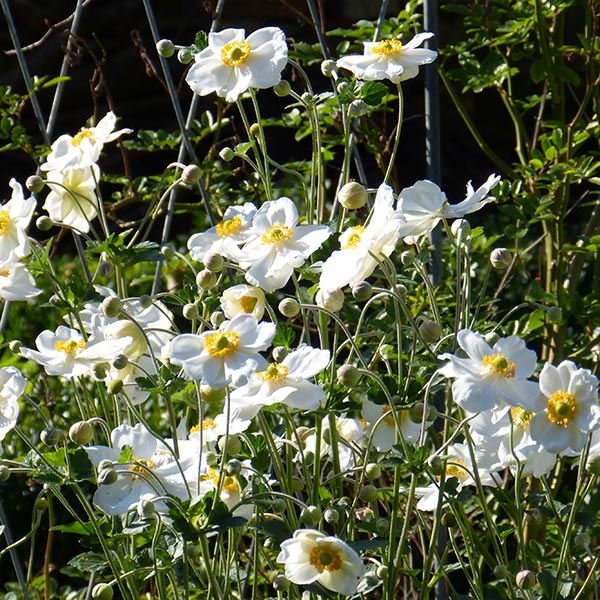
(89, 562)
(77, 528)
(201, 41)
(373, 92)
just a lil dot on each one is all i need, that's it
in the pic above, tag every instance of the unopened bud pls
(371, 580)
(190, 311)
(437, 465)
(190, 175)
(282, 88)
(254, 130)
(461, 229)
(407, 257)
(500, 258)
(115, 386)
(382, 524)
(213, 262)
(491, 338)
(52, 436)
(185, 56)
(4, 473)
(216, 318)
(107, 476)
(372, 471)
(278, 505)
(289, 307)
(145, 301)
(105, 464)
(362, 291)
(120, 361)
(368, 493)
(328, 67)
(165, 48)
(167, 251)
(348, 375)
(352, 195)
(307, 97)
(416, 412)
(206, 279)
(111, 306)
(230, 445)
(592, 466)
(501, 572)
(343, 87)
(358, 108)
(15, 346)
(227, 154)
(430, 331)
(331, 515)
(382, 571)
(34, 184)
(525, 579)
(554, 314)
(400, 290)
(146, 508)
(311, 515)
(281, 583)
(105, 269)
(102, 591)
(44, 223)
(81, 433)
(332, 300)
(448, 519)
(233, 467)
(279, 353)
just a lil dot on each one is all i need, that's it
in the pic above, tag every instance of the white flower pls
(490, 376)
(424, 204)
(228, 355)
(240, 299)
(389, 59)
(66, 353)
(16, 282)
(284, 382)
(382, 425)
(313, 556)
(12, 386)
(153, 470)
(362, 246)
(277, 244)
(568, 408)
(72, 200)
(83, 149)
(14, 219)
(233, 63)
(226, 236)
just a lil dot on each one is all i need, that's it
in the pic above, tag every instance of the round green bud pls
(382, 525)
(111, 306)
(343, 87)
(206, 279)
(289, 307)
(185, 56)
(407, 257)
(41, 503)
(371, 579)
(372, 471)
(4, 473)
(281, 583)
(525, 579)
(491, 338)
(107, 476)
(191, 175)
(297, 484)
(44, 223)
(501, 572)
(212, 394)
(102, 591)
(368, 493)
(400, 290)
(430, 331)
(500, 258)
(227, 154)
(416, 412)
(279, 505)
(307, 97)
(362, 291)
(352, 195)
(230, 445)
(120, 361)
(115, 386)
(105, 269)
(34, 184)
(358, 108)
(190, 311)
(192, 552)
(105, 464)
(233, 467)
(331, 515)
(165, 48)
(279, 353)
(592, 465)
(213, 262)
(282, 88)
(52, 436)
(254, 130)
(146, 508)
(437, 465)
(328, 67)
(311, 515)
(448, 519)
(348, 375)
(217, 318)
(15, 346)
(382, 571)
(554, 314)
(461, 229)
(167, 252)
(81, 433)
(145, 301)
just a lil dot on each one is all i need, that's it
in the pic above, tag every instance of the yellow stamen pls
(5, 221)
(235, 53)
(248, 303)
(69, 346)
(229, 227)
(276, 233)
(230, 485)
(142, 465)
(387, 47)
(325, 557)
(562, 408)
(5, 273)
(520, 417)
(82, 135)
(499, 364)
(274, 373)
(222, 343)
(354, 237)
(389, 418)
(454, 469)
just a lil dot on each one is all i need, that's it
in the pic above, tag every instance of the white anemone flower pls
(389, 59)
(226, 356)
(277, 244)
(65, 352)
(83, 149)
(152, 470)
(284, 382)
(12, 386)
(382, 425)
(362, 246)
(490, 376)
(226, 236)
(424, 204)
(14, 219)
(232, 63)
(567, 411)
(16, 282)
(314, 556)
(243, 299)
(72, 200)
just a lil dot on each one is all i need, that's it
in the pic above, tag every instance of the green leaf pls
(76, 527)
(201, 41)
(373, 92)
(89, 562)
(284, 335)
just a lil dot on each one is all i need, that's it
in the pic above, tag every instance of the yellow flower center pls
(562, 408)
(5, 273)
(276, 233)
(274, 373)
(229, 227)
(248, 303)
(206, 424)
(5, 221)
(354, 237)
(82, 135)
(520, 417)
(325, 557)
(222, 343)
(454, 469)
(499, 364)
(387, 47)
(211, 474)
(235, 53)
(69, 346)
(142, 465)
(389, 417)
(230, 485)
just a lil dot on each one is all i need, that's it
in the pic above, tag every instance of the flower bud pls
(278, 505)
(500, 258)
(145, 301)
(368, 493)
(400, 290)
(362, 291)
(167, 251)
(501, 572)
(430, 331)
(461, 229)
(105, 269)
(216, 318)
(190, 311)
(4, 473)
(525, 579)
(311, 515)
(582, 540)
(105, 464)
(348, 375)
(102, 591)
(81, 433)
(192, 552)
(437, 465)
(44, 223)
(41, 504)
(371, 580)
(382, 524)
(372, 471)
(382, 571)
(448, 519)
(212, 394)
(190, 175)
(282, 88)
(185, 56)
(120, 361)
(352, 195)
(230, 444)
(206, 279)
(331, 516)
(254, 130)
(491, 338)
(417, 410)
(297, 484)
(146, 508)
(213, 262)
(307, 97)
(592, 466)
(115, 386)
(289, 307)
(328, 67)
(358, 108)
(407, 257)
(107, 476)
(279, 353)
(15, 346)
(52, 436)
(233, 467)
(331, 300)
(34, 184)
(554, 314)
(227, 154)
(111, 306)
(281, 583)
(342, 87)
(165, 48)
